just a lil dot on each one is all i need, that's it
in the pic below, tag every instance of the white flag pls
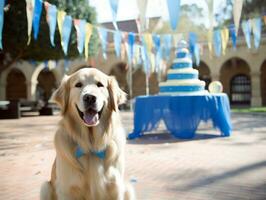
(238, 4)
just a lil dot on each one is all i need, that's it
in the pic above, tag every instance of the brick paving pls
(160, 167)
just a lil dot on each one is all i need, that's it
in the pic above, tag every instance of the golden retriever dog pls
(90, 140)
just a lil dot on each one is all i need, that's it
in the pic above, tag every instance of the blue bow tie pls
(100, 154)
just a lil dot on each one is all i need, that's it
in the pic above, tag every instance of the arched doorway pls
(119, 71)
(46, 85)
(240, 90)
(16, 87)
(204, 73)
(235, 77)
(263, 83)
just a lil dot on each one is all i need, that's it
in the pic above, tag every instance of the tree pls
(15, 33)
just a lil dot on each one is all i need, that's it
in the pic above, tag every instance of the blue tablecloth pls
(181, 114)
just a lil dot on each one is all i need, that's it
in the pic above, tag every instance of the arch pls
(46, 85)
(139, 82)
(263, 82)
(16, 87)
(204, 73)
(240, 90)
(232, 68)
(119, 71)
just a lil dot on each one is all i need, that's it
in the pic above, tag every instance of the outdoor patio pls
(159, 166)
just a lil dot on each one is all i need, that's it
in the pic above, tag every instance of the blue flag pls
(80, 25)
(173, 10)
(103, 36)
(66, 30)
(217, 41)
(233, 35)
(36, 17)
(131, 41)
(157, 45)
(256, 28)
(51, 20)
(2, 4)
(114, 7)
(117, 43)
(166, 46)
(246, 27)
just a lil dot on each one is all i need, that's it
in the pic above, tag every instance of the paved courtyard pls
(160, 167)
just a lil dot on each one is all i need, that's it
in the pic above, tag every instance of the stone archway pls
(204, 73)
(263, 82)
(16, 87)
(236, 80)
(46, 85)
(119, 71)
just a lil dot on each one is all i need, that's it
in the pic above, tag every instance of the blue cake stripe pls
(183, 88)
(181, 65)
(181, 76)
(181, 55)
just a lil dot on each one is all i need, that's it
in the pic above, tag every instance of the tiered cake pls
(182, 78)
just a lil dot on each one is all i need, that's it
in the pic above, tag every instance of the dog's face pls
(87, 94)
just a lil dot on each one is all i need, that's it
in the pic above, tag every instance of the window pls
(240, 90)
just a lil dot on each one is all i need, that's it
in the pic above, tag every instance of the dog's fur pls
(88, 177)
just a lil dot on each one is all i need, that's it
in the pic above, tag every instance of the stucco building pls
(241, 71)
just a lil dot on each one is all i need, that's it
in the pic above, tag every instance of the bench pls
(10, 109)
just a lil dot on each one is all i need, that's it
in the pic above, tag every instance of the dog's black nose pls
(89, 99)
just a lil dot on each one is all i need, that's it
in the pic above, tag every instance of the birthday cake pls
(182, 78)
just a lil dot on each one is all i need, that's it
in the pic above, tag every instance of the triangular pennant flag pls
(131, 42)
(51, 13)
(114, 8)
(117, 42)
(80, 26)
(2, 4)
(246, 27)
(37, 17)
(166, 46)
(30, 10)
(60, 19)
(197, 54)
(103, 36)
(89, 29)
(66, 31)
(142, 5)
(217, 42)
(157, 48)
(123, 45)
(225, 38)
(145, 58)
(173, 10)
(237, 10)
(233, 35)
(256, 29)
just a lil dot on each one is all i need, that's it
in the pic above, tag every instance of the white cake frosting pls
(195, 82)
(185, 70)
(182, 60)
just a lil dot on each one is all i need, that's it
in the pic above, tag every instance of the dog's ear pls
(116, 95)
(61, 94)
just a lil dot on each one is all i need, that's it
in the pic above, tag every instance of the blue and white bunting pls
(157, 47)
(2, 4)
(166, 46)
(103, 36)
(246, 27)
(51, 16)
(80, 26)
(233, 35)
(117, 43)
(256, 29)
(66, 31)
(114, 8)
(217, 41)
(131, 42)
(36, 18)
(174, 12)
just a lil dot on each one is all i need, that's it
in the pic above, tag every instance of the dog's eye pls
(78, 85)
(99, 84)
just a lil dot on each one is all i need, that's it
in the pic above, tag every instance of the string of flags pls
(148, 49)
